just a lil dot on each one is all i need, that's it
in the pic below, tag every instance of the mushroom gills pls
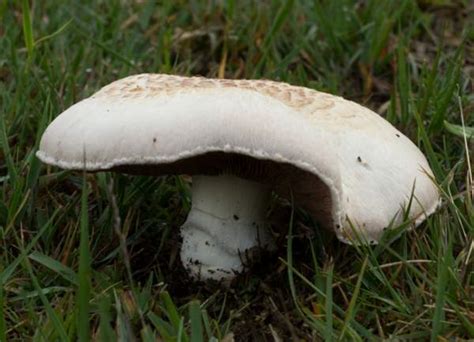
(227, 218)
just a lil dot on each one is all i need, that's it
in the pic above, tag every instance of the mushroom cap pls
(348, 166)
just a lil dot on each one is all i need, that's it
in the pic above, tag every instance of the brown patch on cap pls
(155, 85)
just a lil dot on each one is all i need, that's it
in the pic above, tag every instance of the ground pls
(97, 255)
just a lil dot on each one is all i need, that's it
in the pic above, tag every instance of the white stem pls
(226, 219)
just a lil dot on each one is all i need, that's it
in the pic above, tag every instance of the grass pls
(95, 256)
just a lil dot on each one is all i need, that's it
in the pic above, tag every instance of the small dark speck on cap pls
(236, 217)
(363, 163)
(398, 135)
(154, 140)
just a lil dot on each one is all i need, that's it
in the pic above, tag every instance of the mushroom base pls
(226, 221)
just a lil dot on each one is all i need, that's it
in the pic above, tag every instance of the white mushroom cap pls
(344, 163)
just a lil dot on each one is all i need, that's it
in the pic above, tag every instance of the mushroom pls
(240, 140)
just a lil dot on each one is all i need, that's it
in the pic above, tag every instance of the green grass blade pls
(180, 335)
(53, 316)
(55, 266)
(174, 317)
(403, 85)
(110, 50)
(447, 94)
(438, 315)
(459, 130)
(105, 329)
(350, 313)
(289, 258)
(465, 321)
(8, 271)
(3, 326)
(171, 309)
(291, 271)
(3, 8)
(122, 323)
(147, 335)
(431, 155)
(358, 327)
(206, 323)
(54, 34)
(329, 304)
(282, 14)
(28, 28)
(84, 290)
(164, 328)
(12, 172)
(34, 294)
(196, 321)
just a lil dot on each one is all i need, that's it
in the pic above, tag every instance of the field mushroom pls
(240, 140)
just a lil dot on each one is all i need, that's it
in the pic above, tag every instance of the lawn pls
(97, 255)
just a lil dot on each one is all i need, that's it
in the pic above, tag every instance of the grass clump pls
(95, 256)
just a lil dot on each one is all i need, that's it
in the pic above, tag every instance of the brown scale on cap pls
(155, 85)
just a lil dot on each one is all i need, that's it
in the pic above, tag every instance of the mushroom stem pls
(226, 220)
